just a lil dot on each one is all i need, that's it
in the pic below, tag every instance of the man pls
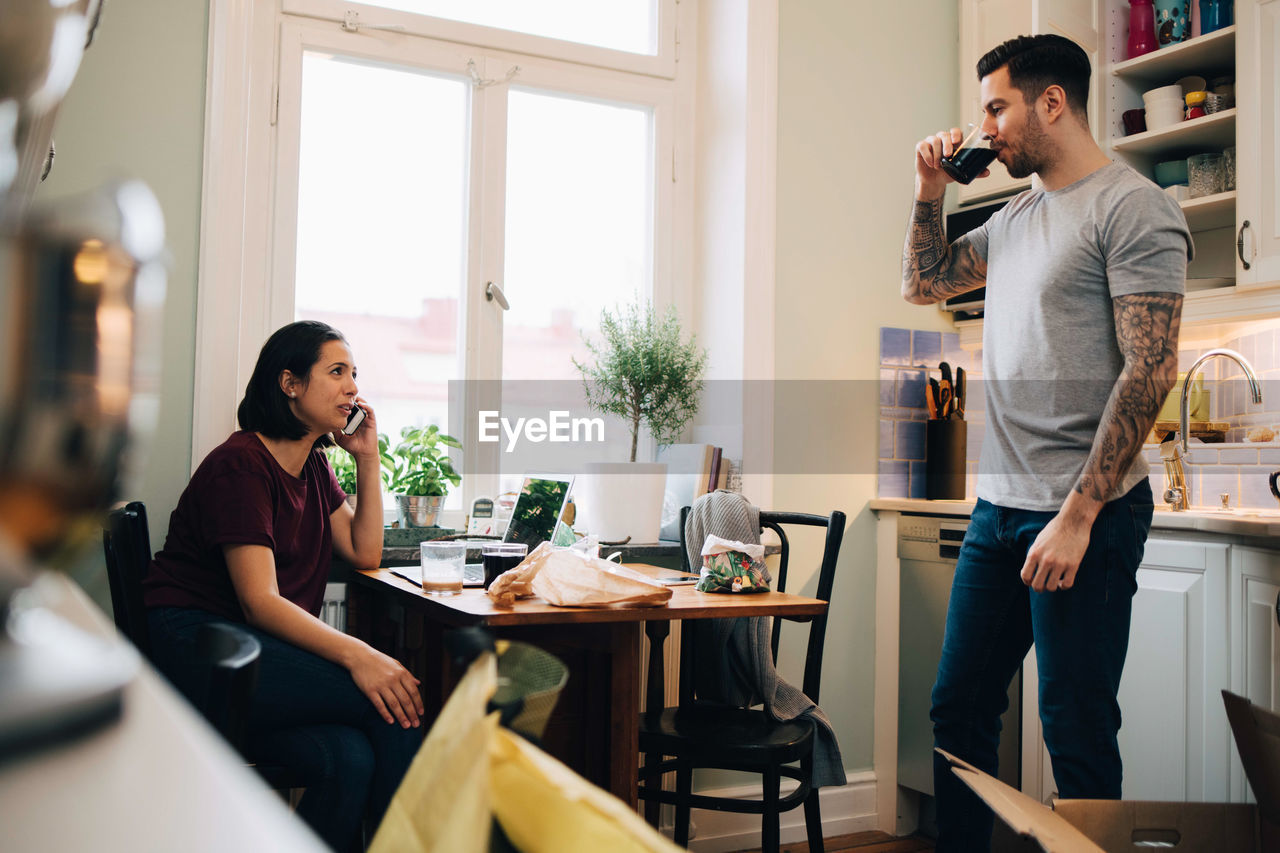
(1084, 279)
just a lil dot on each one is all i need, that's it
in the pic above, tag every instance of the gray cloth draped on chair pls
(744, 675)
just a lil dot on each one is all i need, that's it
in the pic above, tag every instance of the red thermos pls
(1142, 27)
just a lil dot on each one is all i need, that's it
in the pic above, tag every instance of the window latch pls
(493, 293)
(351, 24)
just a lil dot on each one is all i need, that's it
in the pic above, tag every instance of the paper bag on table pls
(517, 582)
(569, 577)
(574, 580)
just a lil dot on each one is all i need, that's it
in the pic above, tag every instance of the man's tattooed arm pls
(1147, 332)
(932, 270)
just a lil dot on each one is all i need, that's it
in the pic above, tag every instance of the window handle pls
(493, 293)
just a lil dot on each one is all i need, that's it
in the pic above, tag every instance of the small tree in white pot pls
(645, 373)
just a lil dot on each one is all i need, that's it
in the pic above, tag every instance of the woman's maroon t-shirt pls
(241, 496)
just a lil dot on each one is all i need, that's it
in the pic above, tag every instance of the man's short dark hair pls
(1037, 62)
(295, 348)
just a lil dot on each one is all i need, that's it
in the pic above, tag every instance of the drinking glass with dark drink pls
(971, 158)
(499, 557)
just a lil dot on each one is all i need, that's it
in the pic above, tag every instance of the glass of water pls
(442, 567)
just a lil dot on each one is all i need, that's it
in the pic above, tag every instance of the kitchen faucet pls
(1174, 450)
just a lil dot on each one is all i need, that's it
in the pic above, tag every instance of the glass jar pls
(1204, 174)
(1229, 169)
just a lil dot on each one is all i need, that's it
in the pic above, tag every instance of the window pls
(629, 25)
(408, 173)
(382, 164)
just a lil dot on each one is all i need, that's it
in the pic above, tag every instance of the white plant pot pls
(615, 500)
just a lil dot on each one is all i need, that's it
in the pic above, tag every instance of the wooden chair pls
(700, 734)
(231, 655)
(126, 543)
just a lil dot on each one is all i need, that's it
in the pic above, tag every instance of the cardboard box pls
(1130, 826)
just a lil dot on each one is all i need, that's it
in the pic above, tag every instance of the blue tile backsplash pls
(1238, 467)
(907, 359)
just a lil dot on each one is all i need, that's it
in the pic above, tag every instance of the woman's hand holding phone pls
(363, 437)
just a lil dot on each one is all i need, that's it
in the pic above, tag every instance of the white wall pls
(858, 84)
(136, 110)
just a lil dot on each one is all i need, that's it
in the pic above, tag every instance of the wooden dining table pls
(595, 727)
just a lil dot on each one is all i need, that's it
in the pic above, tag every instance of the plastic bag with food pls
(729, 566)
(569, 577)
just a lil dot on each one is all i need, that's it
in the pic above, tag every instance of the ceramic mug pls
(1135, 121)
(1173, 21)
(1275, 475)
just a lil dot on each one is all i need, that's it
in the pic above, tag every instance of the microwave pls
(968, 306)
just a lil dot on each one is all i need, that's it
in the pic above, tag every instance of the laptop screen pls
(538, 509)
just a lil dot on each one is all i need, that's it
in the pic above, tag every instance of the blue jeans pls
(1081, 636)
(308, 715)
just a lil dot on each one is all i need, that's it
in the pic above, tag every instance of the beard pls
(1029, 155)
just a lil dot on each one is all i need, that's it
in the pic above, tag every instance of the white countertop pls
(157, 779)
(1251, 523)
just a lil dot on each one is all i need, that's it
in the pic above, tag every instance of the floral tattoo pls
(1147, 333)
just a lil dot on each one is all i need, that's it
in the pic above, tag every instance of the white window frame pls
(245, 291)
(663, 64)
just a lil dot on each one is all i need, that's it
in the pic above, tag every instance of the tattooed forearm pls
(932, 270)
(1147, 332)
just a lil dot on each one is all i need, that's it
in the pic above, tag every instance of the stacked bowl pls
(1164, 107)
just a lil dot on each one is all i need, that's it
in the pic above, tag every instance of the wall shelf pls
(1211, 211)
(1217, 130)
(1213, 52)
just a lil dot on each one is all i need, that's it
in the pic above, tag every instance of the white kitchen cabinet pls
(1257, 91)
(985, 24)
(1174, 737)
(1255, 639)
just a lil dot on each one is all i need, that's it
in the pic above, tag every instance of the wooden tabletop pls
(474, 607)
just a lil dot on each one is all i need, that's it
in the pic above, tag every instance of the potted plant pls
(419, 473)
(647, 374)
(344, 468)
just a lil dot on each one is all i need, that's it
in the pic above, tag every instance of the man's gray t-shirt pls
(1055, 260)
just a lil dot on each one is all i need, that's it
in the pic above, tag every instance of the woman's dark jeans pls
(308, 715)
(1081, 636)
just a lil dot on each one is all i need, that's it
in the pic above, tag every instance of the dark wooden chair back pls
(126, 543)
(230, 654)
(777, 522)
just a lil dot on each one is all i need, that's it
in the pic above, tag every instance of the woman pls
(250, 542)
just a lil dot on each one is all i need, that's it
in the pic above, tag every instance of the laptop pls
(538, 509)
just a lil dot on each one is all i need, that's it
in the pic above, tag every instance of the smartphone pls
(353, 421)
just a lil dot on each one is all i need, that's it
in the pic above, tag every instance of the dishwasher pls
(928, 547)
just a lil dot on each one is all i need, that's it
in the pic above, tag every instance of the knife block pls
(946, 446)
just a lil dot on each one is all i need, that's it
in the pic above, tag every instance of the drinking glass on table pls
(499, 557)
(442, 567)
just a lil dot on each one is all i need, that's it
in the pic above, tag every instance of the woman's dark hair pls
(295, 348)
(1038, 62)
